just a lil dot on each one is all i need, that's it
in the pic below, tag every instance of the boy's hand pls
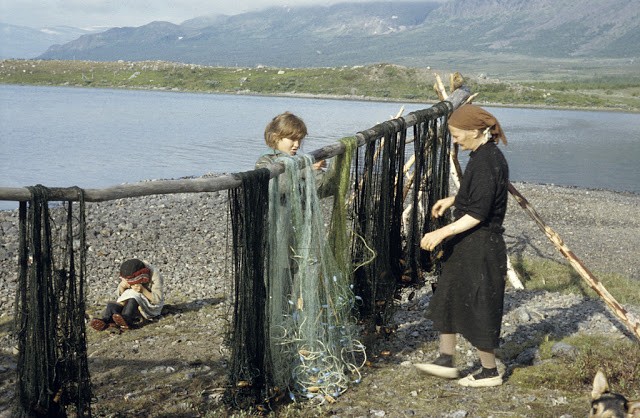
(319, 165)
(124, 284)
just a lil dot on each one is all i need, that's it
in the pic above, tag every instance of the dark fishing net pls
(430, 183)
(387, 253)
(249, 371)
(378, 205)
(53, 374)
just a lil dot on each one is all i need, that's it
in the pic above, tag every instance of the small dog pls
(606, 404)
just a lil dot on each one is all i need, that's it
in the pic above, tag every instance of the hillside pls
(469, 32)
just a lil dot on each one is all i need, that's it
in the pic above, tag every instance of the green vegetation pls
(619, 359)
(371, 82)
(552, 276)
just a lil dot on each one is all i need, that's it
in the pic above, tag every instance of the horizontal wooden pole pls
(228, 181)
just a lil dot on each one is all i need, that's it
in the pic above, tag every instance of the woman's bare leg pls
(447, 344)
(487, 359)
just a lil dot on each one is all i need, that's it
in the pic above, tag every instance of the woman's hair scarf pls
(470, 117)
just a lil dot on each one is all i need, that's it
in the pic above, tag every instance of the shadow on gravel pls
(6, 328)
(522, 244)
(196, 305)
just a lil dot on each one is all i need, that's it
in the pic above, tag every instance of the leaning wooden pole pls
(589, 278)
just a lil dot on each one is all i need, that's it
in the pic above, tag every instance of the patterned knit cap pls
(135, 271)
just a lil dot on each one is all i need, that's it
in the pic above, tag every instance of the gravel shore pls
(187, 237)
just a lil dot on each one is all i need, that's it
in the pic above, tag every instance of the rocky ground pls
(177, 366)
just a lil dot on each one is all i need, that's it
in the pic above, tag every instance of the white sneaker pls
(471, 381)
(439, 371)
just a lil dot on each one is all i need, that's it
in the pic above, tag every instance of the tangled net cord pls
(321, 368)
(319, 373)
(316, 328)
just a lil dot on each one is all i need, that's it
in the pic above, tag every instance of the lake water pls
(93, 138)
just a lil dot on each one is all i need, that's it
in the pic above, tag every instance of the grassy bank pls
(371, 82)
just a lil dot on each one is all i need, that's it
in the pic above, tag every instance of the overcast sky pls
(111, 13)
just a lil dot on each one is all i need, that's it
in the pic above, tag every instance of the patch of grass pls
(619, 359)
(562, 278)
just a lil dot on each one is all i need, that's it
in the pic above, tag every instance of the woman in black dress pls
(470, 292)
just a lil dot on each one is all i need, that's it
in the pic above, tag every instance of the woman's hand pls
(431, 240)
(137, 287)
(441, 206)
(124, 284)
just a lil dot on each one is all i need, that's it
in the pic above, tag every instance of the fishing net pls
(430, 183)
(310, 301)
(248, 210)
(341, 175)
(378, 205)
(293, 331)
(386, 252)
(50, 305)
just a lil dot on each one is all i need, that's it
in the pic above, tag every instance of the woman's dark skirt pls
(469, 296)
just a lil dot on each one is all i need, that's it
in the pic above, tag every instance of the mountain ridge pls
(406, 33)
(25, 42)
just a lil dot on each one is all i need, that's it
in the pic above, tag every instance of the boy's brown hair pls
(285, 125)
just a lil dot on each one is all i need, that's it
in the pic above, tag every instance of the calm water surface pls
(95, 138)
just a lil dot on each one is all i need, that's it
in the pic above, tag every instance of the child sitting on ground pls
(140, 297)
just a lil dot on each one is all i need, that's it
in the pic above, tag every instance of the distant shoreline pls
(340, 97)
(385, 100)
(384, 83)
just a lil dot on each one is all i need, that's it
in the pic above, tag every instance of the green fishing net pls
(311, 330)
